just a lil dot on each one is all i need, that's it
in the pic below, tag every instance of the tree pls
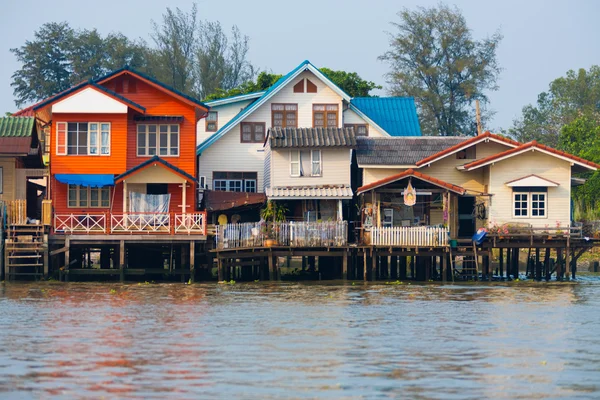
(351, 82)
(46, 68)
(434, 58)
(576, 94)
(264, 81)
(176, 45)
(581, 137)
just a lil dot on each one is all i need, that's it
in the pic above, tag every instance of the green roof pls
(16, 126)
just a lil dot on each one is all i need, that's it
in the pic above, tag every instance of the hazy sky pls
(542, 39)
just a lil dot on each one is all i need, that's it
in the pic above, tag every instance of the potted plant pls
(272, 214)
(559, 231)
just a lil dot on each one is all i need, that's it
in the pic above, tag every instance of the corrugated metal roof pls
(311, 137)
(16, 126)
(15, 145)
(217, 200)
(401, 151)
(310, 192)
(396, 115)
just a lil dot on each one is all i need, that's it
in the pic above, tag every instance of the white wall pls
(350, 117)
(335, 169)
(548, 167)
(225, 113)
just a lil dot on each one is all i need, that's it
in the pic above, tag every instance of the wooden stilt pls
(402, 268)
(67, 258)
(365, 266)
(444, 267)
(219, 269)
(192, 261)
(547, 271)
(122, 260)
(412, 267)
(394, 267)
(559, 264)
(501, 263)
(538, 265)
(272, 272)
(374, 265)
(568, 261)
(345, 266)
(384, 267)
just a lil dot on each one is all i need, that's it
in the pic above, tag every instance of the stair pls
(24, 249)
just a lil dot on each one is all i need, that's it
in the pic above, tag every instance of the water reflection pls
(301, 340)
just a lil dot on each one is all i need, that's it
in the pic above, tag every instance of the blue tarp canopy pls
(91, 180)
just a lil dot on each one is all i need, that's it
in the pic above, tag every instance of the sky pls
(542, 39)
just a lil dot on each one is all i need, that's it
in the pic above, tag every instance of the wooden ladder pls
(24, 251)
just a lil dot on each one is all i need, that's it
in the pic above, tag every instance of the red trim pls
(467, 143)
(526, 146)
(152, 165)
(154, 85)
(413, 173)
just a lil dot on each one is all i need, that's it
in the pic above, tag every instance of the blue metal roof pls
(91, 180)
(267, 95)
(233, 99)
(396, 115)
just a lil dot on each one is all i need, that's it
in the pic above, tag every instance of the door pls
(466, 216)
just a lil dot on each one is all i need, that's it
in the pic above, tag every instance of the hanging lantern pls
(410, 195)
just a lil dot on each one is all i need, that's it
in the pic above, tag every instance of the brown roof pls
(411, 173)
(531, 145)
(467, 143)
(218, 200)
(15, 145)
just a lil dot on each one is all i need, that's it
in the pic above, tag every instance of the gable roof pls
(484, 137)
(406, 151)
(152, 82)
(532, 180)
(16, 126)
(311, 137)
(234, 99)
(531, 146)
(274, 89)
(395, 115)
(151, 161)
(83, 85)
(412, 173)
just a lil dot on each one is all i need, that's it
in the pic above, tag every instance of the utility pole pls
(478, 117)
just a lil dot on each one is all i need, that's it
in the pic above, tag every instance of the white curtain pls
(149, 203)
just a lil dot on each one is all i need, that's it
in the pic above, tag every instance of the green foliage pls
(581, 137)
(274, 211)
(264, 81)
(434, 58)
(567, 98)
(351, 82)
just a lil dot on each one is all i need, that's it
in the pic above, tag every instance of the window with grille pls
(212, 121)
(234, 181)
(162, 140)
(284, 115)
(82, 138)
(530, 203)
(252, 132)
(81, 196)
(325, 115)
(359, 129)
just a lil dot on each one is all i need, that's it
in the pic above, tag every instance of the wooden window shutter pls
(61, 138)
(299, 87)
(310, 87)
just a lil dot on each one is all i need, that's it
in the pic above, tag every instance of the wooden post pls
(384, 267)
(567, 261)
(67, 258)
(402, 272)
(394, 267)
(478, 117)
(444, 267)
(486, 267)
(183, 199)
(501, 263)
(559, 267)
(219, 268)
(272, 272)
(374, 259)
(538, 265)
(547, 271)
(365, 269)
(122, 260)
(192, 261)
(345, 266)
(412, 267)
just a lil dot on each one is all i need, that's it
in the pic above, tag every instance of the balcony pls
(288, 234)
(410, 236)
(131, 223)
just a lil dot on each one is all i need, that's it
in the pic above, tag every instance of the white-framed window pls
(295, 163)
(162, 140)
(212, 121)
(83, 138)
(234, 181)
(530, 203)
(315, 159)
(82, 196)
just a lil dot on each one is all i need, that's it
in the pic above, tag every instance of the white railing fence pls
(80, 223)
(293, 234)
(140, 222)
(410, 236)
(191, 223)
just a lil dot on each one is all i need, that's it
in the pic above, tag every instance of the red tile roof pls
(467, 143)
(411, 173)
(533, 144)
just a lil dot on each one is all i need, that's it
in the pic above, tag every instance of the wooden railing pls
(292, 234)
(191, 223)
(80, 223)
(427, 236)
(16, 212)
(537, 232)
(151, 223)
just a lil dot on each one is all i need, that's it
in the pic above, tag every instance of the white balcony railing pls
(410, 236)
(191, 223)
(141, 223)
(80, 223)
(292, 234)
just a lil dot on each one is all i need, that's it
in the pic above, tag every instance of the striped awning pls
(309, 192)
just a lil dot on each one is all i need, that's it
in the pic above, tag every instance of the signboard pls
(410, 195)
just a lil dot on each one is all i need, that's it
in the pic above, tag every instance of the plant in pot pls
(272, 214)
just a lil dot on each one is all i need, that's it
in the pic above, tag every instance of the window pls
(359, 129)
(299, 87)
(295, 163)
(315, 158)
(284, 115)
(310, 87)
(83, 138)
(212, 120)
(466, 154)
(252, 132)
(81, 196)
(388, 217)
(530, 202)
(162, 140)
(234, 181)
(325, 115)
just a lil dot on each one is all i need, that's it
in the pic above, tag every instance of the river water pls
(300, 340)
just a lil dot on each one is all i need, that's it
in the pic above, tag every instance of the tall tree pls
(175, 41)
(434, 58)
(46, 67)
(567, 98)
(351, 82)
(264, 81)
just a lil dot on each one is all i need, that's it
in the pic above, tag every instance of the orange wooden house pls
(122, 156)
